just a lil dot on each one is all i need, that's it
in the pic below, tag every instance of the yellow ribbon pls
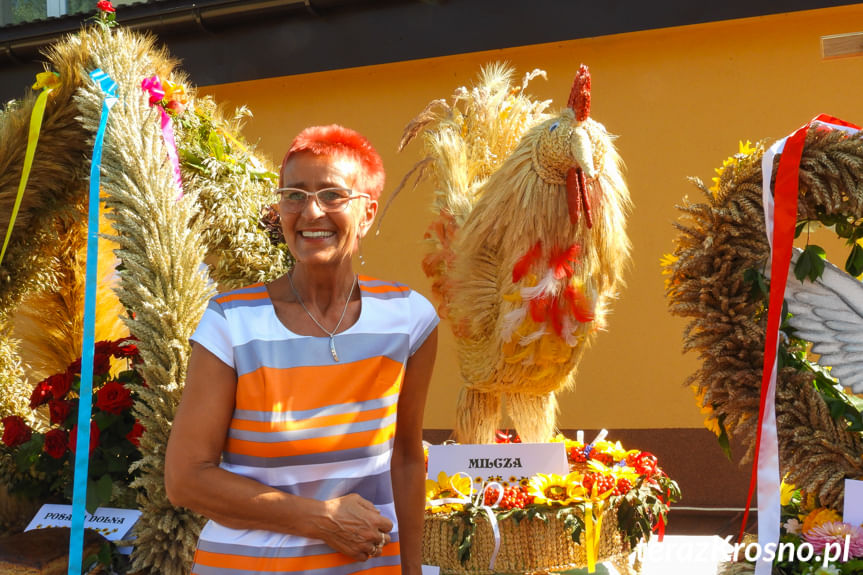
(593, 511)
(46, 81)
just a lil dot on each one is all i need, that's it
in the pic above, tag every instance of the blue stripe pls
(337, 409)
(238, 303)
(374, 488)
(309, 458)
(214, 306)
(310, 351)
(379, 283)
(387, 295)
(312, 433)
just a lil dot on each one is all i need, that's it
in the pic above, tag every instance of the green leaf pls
(98, 493)
(802, 267)
(844, 229)
(757, 282)
(724, 442)
(217, 145)
(798, 229)
(854, 263)
(89, 562)
(837, 408)
(105, 554)
(810, 264)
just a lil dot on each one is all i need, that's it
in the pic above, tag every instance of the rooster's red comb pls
(579, 97)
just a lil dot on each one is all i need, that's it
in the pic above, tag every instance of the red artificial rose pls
(55, 443)
(126, 348)
(113, 397)
(645, 463)
(94, 437)
(105, 6)
(41, 394)
(15, 431)
(60, 384)
(101, 363)
(59, 410)
(134, 436)
(103, 347)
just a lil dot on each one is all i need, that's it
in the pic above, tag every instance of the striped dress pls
(308, 425)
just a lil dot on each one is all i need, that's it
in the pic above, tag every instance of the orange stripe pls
(311, 445)
(242, 296)
(273, 426)
(384, 288)
(301, 388)
(305, 563)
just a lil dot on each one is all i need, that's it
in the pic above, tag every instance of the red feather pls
(578, 304)
(522, 266)
(563, 260)
(539, 309)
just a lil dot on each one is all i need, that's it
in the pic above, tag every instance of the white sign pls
(430, 570)
(111, 523)
(853, 511)
(504, 460)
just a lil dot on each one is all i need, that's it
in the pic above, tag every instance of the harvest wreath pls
(611, 500)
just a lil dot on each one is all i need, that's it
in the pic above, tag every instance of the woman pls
(286, 435)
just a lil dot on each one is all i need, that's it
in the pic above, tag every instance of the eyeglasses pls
(294, 200)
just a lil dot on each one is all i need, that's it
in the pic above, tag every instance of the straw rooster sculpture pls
(528, 246)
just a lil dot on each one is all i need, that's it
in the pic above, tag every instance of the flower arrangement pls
(43, 457)
(814, 540)
(603, 476)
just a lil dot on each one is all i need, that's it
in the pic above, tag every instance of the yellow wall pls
(679, 98)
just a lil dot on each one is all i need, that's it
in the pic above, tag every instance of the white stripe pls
(217, 533)
(304, 473)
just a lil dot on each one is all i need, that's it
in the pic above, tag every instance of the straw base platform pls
(530, 546)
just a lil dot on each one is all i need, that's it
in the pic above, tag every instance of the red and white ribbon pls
(780, 219)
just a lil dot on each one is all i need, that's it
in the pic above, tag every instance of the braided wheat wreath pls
(716, 277)
(162, 239)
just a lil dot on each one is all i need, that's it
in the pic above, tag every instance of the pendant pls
(333, 349)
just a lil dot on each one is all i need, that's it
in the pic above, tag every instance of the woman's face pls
(315, 236)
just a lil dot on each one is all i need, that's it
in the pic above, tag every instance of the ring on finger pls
(383, 539)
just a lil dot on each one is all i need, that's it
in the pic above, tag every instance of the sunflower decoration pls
(555, 489)
(746, 150)
(447, 487)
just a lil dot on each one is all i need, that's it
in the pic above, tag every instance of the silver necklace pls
(332, 334)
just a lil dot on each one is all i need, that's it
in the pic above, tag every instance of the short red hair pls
(342, 143)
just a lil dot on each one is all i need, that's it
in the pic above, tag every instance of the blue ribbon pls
(85, 403)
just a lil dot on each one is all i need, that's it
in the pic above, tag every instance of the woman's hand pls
(355, 527)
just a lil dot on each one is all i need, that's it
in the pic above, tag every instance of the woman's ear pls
(367, 217)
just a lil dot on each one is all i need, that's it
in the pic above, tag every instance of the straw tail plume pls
(49, 321)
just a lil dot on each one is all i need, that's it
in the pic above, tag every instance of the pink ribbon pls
(153, 86)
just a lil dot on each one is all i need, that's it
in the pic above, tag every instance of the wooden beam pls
(842, 45)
